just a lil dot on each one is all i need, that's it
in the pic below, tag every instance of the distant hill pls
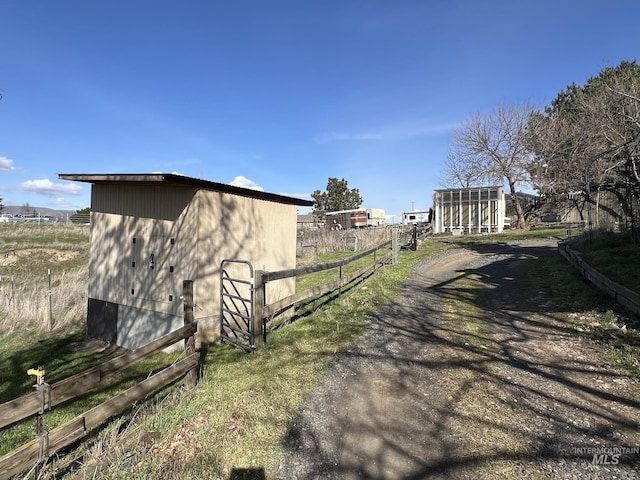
(57, 215)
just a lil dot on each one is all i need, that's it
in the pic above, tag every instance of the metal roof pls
(457, 189)
(171, 179)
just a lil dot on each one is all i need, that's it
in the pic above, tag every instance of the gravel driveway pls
(522, 397)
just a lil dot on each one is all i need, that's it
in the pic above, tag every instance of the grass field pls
(244, 404)
(43, 277)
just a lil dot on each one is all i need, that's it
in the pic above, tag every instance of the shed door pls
(154, 270)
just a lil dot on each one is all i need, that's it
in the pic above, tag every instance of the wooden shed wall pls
(240, 228)
(189, 232)
(128, 226)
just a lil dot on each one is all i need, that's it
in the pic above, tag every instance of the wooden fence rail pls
(38, 450)
(622, 295)
(263, 312)
(23, 407)
(296, 272)
(287, 302)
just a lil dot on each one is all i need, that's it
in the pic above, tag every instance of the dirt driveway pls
(423, 397)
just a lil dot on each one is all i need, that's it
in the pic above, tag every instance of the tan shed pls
(150, 232)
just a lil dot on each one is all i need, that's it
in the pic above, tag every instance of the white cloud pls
(302, 196)
(161, 172)
(6, 164)
(397, 131)
(46, 187)
(244, 182)
(347, 137)
(65, 204)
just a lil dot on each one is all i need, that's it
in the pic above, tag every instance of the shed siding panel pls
(124, 234)
(233, 227)
(142, 201)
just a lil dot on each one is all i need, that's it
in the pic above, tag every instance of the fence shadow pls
(247, 474)
(425, 396)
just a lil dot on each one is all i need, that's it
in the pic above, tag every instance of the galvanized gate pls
(236, 304)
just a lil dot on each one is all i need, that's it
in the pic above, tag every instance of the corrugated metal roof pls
(171, 179)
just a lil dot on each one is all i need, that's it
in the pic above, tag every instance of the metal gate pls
(236, 304)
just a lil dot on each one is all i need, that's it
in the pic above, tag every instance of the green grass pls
(588, 311)
(26, 235)
(245, 404)
(615, 255)
(311, 280)
(20, 352)
(511, 236)
(29, 252)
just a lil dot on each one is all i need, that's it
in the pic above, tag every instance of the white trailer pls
(419, 217)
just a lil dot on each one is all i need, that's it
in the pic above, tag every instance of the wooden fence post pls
(191, 378)
(394, 246)
(414, 238)
(258, 310)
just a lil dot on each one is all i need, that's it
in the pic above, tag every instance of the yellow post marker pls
(42, 435)
(36, 372)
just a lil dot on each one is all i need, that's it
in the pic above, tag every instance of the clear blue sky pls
(279, 95)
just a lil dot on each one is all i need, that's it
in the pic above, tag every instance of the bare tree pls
(493, 149)
(459, 172)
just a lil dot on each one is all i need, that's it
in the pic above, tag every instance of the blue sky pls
(278, 95)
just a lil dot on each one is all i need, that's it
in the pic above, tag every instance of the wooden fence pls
(264, 313)
(412, 237)
(622, 295)
(36, 452)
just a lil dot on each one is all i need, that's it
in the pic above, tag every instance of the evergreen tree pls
(336, 197)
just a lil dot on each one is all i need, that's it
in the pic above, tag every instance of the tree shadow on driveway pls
(504, 390)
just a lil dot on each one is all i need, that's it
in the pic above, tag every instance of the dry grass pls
(317, 242)
(43, 276)
(27, 303)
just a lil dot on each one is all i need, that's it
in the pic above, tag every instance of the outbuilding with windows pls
(469, 210)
